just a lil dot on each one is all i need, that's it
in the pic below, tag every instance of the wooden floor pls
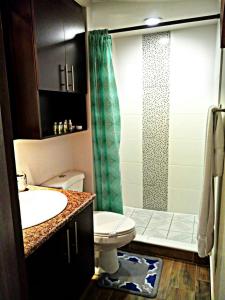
(179, 281)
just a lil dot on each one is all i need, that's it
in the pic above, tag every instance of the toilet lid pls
(109, 223)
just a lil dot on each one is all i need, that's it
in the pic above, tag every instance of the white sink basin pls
(39, 206)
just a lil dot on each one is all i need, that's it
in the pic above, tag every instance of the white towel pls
(213, 166)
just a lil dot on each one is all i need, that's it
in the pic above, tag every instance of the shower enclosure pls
(166, 82)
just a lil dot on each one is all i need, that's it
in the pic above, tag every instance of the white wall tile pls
(131, 150)
(192, 64)
(131, 127)
(185, 104)
(186, 177)
(184, 200)
(192, 90)
(188, 126)
(132, 194)
(186, 152)
(191, 93)
(132, 172)
(127, 53)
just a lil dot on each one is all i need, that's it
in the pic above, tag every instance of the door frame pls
(13, 283)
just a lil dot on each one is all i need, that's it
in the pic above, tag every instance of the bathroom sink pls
(39, 206)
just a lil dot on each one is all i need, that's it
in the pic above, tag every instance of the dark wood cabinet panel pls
(21, 65)
(60, 34)
(45, 39)
(83, 249)
(74, 28)
(47, 268)
(48, 16)
(63, 266)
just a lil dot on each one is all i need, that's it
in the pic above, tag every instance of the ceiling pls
(136, 1)
(113, 14)
(90, 2)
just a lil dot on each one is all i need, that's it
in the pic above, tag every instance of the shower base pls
(173, 230)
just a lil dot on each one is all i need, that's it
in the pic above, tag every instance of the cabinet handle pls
(68, 246)
(72, 70)
(76, 240)
(66, 77)
(72, 78)
(61, 70)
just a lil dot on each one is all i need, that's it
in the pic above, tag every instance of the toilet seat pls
(111, 225)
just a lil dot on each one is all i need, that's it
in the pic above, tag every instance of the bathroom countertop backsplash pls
(35, 236)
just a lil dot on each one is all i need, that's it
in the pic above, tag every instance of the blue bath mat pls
(137, 274)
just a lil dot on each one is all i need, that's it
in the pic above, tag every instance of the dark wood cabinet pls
(74, 44)
(50, 44)
(82, 226)
(63, 266)
(46, 59)
(60, 34)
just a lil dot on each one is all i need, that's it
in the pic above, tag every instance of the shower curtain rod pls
(166, 23)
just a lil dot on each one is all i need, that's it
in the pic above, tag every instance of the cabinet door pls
(48, 268)
(83, 249)
(50, 44)
(74, 28)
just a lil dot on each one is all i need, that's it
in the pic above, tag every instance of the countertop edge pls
(56, 228)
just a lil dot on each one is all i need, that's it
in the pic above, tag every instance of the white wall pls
(127, 54)
(44, 159)
(192, 91)
(193, 87)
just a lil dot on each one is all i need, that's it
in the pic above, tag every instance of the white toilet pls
(111, 230)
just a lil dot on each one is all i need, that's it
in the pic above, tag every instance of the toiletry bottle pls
(65, 126)
(60, 128)
(70, 126)
(55, 127)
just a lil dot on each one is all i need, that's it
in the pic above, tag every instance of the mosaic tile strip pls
(156, 54)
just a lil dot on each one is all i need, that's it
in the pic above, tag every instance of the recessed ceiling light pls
(152, 21)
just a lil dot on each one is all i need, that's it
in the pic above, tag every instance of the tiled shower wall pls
(127, 53)
(156, 70)
(165, 88)
(193, 88)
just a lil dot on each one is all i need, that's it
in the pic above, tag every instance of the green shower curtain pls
(105, 123)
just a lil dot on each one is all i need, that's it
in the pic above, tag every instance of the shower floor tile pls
(180, 236)
(162, 234)
(167, 229)
(128, 210)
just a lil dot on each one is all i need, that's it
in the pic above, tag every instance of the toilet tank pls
(70, 180)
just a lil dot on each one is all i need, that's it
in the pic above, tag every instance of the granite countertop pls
(35, 236)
